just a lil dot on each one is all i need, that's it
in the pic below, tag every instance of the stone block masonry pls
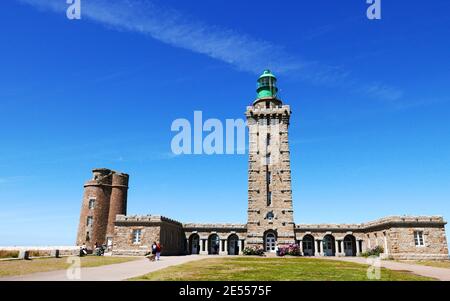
(105, 196)
(134, 235)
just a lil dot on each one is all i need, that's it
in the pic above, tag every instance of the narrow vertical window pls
(269, 198)
(269, 178)
(268, 140)
(90, 221)
(91, 204)
(418, 239)
(137, 236)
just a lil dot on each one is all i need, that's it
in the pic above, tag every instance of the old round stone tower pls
(105, 197)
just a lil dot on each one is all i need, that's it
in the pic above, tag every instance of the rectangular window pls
(88, 236)
(418, 239)
(268, 159)
(91, 204)
(137, 236)
(269, 198)
(268, 140)
(269, 178)
(90, 221)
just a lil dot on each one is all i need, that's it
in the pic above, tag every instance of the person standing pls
(158, 251)
(152, 255)
(83, 250)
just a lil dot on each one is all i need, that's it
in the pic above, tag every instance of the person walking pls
(158, 251)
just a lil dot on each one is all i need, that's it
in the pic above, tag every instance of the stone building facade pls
(134, 234)
(270, 220)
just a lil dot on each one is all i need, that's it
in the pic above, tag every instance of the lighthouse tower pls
(105, 197)
(270, 212)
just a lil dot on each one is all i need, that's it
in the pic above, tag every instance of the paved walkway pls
(442, 274)
(113, 272)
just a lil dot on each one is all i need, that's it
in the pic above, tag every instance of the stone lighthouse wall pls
(269, 177)
(118, 201)
(105, 196)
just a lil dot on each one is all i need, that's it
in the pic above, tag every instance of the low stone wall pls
(34, 251)
(418, 256)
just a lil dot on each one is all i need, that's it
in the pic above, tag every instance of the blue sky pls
(370, 100)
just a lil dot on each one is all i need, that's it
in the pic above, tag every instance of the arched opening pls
(350, 245)
(270, 242)
(233, 245)
(329, 246)
(308, 245)
(213, 244)
(194, 244)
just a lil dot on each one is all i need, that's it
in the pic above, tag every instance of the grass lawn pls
(21, 267)
(431, 263)
(273, 269)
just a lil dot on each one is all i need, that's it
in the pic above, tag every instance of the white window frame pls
(137, 236)
(419, 239)
(89, 221)
(91, 201)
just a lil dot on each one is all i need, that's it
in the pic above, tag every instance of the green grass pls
(273, 269)
(22, 267)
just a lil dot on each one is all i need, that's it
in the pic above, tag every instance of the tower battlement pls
(257, 111)
(107, 177)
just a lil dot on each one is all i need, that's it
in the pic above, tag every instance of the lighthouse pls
(270, 212)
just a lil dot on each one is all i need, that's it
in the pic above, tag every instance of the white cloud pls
(173, 28)
(383, 92)
(238, 49)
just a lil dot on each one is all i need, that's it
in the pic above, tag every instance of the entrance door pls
(308, 246)
(233, 248)
(328, 243)
(214, 245)
(271, 243)
(349, 245)
(348, 248)
(195, 245)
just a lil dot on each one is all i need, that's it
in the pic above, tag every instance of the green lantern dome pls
(267, 85)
